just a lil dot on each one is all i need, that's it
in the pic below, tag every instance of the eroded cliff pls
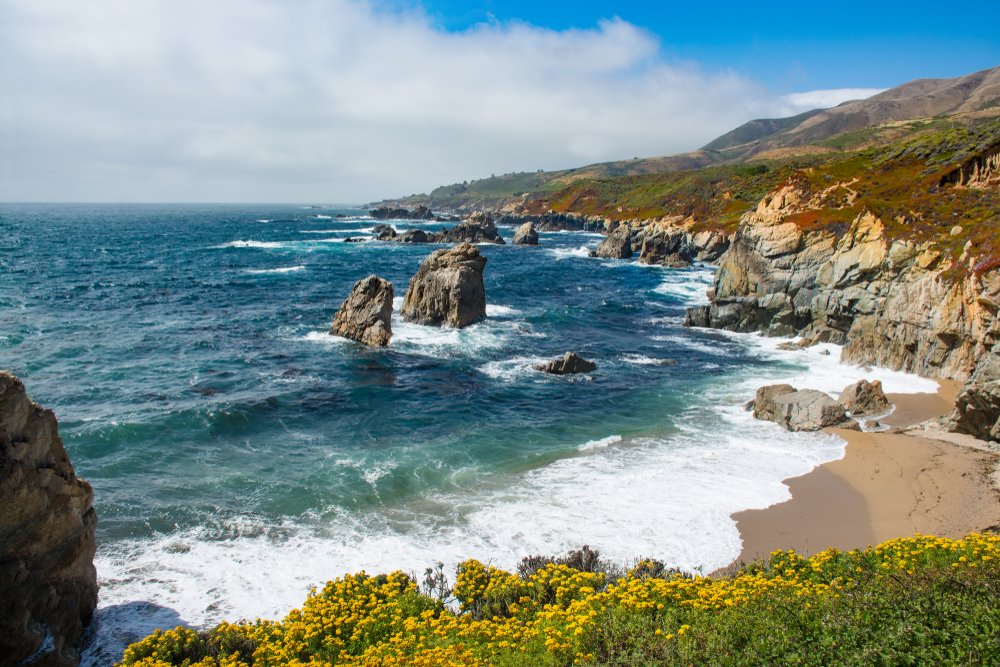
(880, 264)
(48, 584)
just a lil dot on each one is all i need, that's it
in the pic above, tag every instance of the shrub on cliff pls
(919, 600)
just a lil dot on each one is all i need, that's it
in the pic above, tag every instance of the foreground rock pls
(526, 234)
(366, 314)
(864, 399)
(48, 584)
(448, 288)
(568, 364)
(799, 410)
(618, 244)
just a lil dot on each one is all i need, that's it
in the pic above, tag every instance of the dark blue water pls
(184, 351)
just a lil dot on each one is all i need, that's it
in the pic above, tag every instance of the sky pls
(349, 101)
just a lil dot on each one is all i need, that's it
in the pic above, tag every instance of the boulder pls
(366, 313)
(448, 288)
(568, 364)
(526, 234)
(799, 410)
(48, 584)
(618, 244)
(864, 398)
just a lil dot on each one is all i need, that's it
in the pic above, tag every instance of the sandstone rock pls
(864, 398)
(448, 288)
(618, 244)
(366, 314)
(569, 363)
(526, 234)
(799, 410)
(48, 584)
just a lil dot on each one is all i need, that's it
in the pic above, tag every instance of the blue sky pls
(790, 47)
(356, 100)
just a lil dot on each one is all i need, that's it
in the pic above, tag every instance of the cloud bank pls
(330, 100)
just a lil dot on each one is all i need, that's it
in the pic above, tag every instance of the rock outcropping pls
(977, 408)
(799, 410)
(48, 584)
(448, 288)
(388, 213)
(568, 364)
(366, 313)
(618, 244)
(526, 234)
(477, 228)
(891, 302)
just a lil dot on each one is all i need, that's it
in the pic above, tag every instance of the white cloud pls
(327, 100)
(824, 99)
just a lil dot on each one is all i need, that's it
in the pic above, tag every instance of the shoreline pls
(888, 484)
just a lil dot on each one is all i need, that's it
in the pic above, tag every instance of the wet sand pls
(887, 485)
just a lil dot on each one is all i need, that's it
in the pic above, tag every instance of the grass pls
(910, 601)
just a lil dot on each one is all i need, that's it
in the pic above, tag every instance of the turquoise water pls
(240, 454)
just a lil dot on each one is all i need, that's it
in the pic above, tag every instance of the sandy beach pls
(887, 485)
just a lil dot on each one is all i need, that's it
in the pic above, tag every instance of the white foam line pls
(285, 269)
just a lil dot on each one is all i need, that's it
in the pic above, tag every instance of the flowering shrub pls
(920, 599)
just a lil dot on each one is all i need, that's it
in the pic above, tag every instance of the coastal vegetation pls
(913, 600)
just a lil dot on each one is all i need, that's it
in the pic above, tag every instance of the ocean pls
(241, 455)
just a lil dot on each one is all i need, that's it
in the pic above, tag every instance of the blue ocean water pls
(239, 454)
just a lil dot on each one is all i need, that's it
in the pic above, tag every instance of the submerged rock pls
(618, 244)
(366, 314)
(48, 584)
(448, 288)
(799, 410)
(526, 234)
(567, 364)
(865, 398)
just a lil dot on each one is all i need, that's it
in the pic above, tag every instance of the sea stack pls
(526, 234)
(448, 289)
(48, 584)
(366, 313)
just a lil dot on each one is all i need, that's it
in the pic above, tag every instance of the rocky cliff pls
(48, 585)
(913, 293)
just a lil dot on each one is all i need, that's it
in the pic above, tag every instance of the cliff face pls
(898, 303)
(48, 584)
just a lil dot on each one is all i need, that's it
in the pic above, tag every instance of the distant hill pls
(923, 98)
(920, 106)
